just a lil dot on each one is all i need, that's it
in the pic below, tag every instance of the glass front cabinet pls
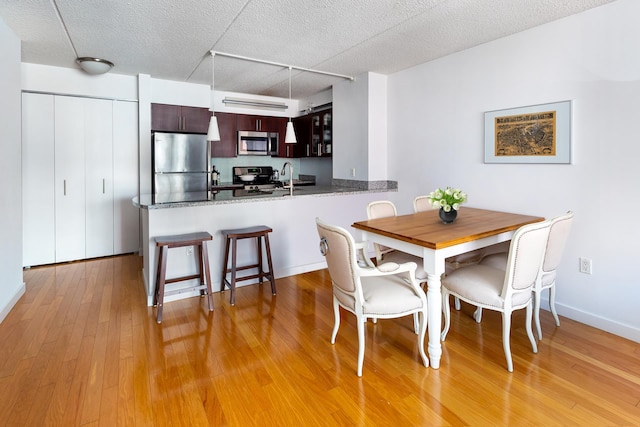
(321, 134)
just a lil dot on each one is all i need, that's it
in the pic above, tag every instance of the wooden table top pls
(427, 230)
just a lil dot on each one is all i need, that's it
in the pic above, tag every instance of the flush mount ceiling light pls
(94, 65)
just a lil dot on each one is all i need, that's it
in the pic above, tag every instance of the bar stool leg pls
(204, 263)
(225, 270)
(232, 284)
(272, 278)
(260, 269)
(162, 268)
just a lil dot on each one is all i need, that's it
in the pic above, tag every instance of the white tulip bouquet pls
(447, 199)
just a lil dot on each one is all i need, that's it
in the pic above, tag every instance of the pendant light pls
(290, 136)
(213, 134)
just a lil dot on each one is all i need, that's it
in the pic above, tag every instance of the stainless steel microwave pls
(251, 143)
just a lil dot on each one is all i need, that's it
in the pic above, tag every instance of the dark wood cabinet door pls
(195, 119)
(247, 122)
(176, 118)
(226, 147)
(165, 117)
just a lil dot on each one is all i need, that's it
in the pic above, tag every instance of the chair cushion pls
(498, 261)
(388, 295)
(483, 285)
(401, 257)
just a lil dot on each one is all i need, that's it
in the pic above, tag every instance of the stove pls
(263, 182)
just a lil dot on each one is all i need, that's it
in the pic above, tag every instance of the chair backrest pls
(421, 204)
(338, 248)
(381, 209)
(558, 234)
(526, 254)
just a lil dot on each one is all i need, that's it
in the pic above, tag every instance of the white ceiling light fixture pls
(213, 134)
(290, 136)
(94, 65)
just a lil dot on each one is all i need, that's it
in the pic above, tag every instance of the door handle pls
(103, 186)
(64, 187)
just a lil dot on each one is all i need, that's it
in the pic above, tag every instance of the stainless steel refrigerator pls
(181, 163)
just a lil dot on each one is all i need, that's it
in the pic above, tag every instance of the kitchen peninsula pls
(294, 241)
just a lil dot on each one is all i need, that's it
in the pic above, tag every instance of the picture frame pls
(532, 134)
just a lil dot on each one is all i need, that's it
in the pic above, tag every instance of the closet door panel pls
(69, 178)
(98, 137)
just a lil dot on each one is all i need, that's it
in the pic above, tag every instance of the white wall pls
(11, 285)
(436, 133)
(351, 128)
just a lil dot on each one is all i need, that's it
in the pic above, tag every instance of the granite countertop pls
(225, 196)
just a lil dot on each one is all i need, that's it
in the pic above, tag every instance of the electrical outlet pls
(189, 250)
(585, 266)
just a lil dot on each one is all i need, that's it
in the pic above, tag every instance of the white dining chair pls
(502, 290)
(559, 229)
(384, 209)
(386, 291)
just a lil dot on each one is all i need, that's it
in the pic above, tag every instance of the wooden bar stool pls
(165, 243)
(258, 232)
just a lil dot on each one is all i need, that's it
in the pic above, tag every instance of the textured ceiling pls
(171, 39)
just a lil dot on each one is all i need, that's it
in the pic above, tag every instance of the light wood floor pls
(82, 348)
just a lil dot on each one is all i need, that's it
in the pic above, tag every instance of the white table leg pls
(434, 307)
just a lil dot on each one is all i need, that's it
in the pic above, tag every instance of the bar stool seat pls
(258, 232)
(165, 243)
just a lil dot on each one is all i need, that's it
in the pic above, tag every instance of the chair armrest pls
(390, 268)
(361, 255)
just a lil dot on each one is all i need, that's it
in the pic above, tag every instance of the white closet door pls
(69, 178)
(98, 137)
(125, 177)
(38, 220)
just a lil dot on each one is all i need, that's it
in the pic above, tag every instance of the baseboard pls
(623, 330)
(12, 302)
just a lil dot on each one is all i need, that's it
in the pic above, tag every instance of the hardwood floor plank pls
(82, 348)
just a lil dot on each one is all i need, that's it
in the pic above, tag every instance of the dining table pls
(425, 235)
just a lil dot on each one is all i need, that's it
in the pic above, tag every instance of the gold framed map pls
(533, 134)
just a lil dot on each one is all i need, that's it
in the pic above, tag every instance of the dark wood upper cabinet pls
(226, 147)
(177, 118)
(260, 123)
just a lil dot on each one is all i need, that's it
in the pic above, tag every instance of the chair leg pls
(536, 312)
(447, 314)
(416, 323)
(457, 304)
(336, 322)
(361, 325)
(506, 338)
(421, 335)
(477, 314)
(534, 346)
(552, 303)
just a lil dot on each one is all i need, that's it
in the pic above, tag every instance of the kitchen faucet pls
(284, 169)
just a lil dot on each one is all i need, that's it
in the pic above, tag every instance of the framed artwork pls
(533, 134)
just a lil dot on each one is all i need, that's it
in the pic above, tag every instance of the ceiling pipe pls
(279, 64)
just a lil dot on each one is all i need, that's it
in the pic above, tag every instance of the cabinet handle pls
(64, 187)
(258, 124)
(103, 186)
(307, 151)
(287, 151)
